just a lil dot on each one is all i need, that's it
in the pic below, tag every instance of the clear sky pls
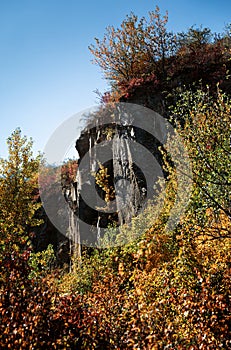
(46, 74)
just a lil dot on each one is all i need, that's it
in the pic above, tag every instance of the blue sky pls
(46, 74)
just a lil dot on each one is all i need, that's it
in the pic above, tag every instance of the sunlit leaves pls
(204, 124)
(17, 182)
(133, 50)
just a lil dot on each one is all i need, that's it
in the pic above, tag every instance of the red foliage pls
(34, 316)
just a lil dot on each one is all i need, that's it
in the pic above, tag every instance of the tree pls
(204, 124)
(194, 38)
(134, 49)
(18, 181)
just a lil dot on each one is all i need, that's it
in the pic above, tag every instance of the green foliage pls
(204, 124)
(42, 262)
(102, 180)
(17, 182)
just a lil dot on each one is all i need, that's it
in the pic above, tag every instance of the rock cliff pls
(114, 149)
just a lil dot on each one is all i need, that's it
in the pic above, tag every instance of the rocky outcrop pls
(46, 233)
(115, 146)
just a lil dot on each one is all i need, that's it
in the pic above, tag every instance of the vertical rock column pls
(126, 187)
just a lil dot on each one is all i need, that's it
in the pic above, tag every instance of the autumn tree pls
(18, 180)
(134, 49)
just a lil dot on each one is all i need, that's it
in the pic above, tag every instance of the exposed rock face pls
(46, 234)
(117, 148)
(117, 144)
